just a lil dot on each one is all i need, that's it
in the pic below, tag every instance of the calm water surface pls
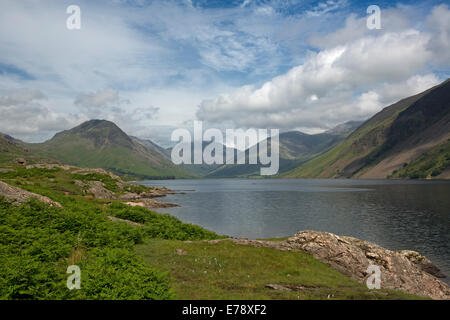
(394, 214)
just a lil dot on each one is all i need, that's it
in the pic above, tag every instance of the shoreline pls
(404, 270)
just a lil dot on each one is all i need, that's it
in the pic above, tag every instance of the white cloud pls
(392, 20)
(326, 6)
(23, 115)
(438, 23)
(108, 104)
(346, 82)
(99, 99)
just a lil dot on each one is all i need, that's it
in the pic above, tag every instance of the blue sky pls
(152, 66)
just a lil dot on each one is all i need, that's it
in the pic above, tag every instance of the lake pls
(396, 214)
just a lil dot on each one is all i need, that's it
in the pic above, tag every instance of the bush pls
(38, 242)
(114, 273)
(159, 225)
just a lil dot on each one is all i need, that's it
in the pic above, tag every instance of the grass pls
(226, 270)
(429, 164)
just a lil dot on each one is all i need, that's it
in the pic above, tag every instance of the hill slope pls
(390, 141)
(295, 148)
(12, 150)
(101, 144)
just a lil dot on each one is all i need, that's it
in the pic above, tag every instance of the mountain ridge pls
(295, 148)
(388, 141)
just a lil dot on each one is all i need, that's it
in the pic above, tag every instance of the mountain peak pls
(97, 123)
(101, 132)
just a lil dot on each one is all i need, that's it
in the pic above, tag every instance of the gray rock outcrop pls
(20, 196)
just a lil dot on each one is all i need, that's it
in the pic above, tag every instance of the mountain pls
(153, 146)
(12, 150)
(102, 144)
(201, 169)
(409, 139)
(295, 148)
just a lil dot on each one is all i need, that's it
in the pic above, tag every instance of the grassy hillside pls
(38, 242)
(11, 151)
(399, 133)
(101, 144)
(429, 164)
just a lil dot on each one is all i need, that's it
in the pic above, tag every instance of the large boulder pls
(407, 271)
(19, 196)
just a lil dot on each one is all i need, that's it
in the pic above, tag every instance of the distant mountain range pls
(295, 148)
(409, 139)
(102, 144)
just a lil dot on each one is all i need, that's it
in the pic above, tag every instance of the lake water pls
(394, 214)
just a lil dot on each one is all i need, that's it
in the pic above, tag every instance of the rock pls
(85, 171)
(79, 183)
(50, 166)
(129, 196)
(277, 287)
(97, 188)
(180, 252)
(132, 223)
(21, 161)
(20, 196)
(150, 204)
(120, 185)
(422, 262)
(405, 271)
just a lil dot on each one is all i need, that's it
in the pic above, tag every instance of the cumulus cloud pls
(108, 104)
(392, 20)
(23, 115)
(98, 99)
(349, 81)
(438, 23)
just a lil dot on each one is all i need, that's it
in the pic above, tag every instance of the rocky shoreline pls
(403, 270)
(98, 190)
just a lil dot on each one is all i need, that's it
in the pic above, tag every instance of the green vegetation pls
(101, 144)
(38, 242)
(225, 270)
(10, 151)
(429, 164)
(160, 258)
